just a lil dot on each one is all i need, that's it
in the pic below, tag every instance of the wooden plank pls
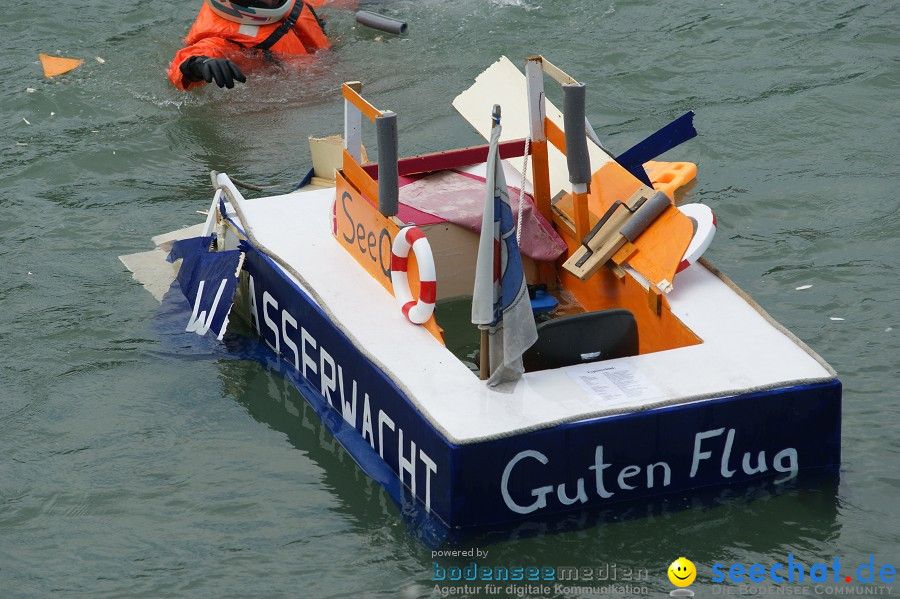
(360, 179)
(352, 96)
(582, 216)
(535, 89)
(562, 222)
(555, 135)
(541, 178)
(600, 247)
(556, 73)
(625, 253)
(536, 106)
(654, 300)
(353, 124)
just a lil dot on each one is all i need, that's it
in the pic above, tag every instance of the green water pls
(130, 469)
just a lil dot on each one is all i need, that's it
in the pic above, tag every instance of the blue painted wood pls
(767, 436)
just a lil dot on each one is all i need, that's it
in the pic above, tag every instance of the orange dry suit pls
(215, 37)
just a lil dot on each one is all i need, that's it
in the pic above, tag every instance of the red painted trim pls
(438, 161)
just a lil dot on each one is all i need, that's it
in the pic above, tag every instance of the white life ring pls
(704, 230)
(418, 311)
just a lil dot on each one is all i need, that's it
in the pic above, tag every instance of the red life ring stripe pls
(412, 238)
(398, 263)
(407, 307)
(413, 234)
(428, 292)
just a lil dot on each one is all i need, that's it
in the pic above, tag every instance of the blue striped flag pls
(500, 301)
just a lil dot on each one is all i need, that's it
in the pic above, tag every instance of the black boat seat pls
(583, 338)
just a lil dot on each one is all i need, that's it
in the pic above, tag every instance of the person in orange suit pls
(228, 32)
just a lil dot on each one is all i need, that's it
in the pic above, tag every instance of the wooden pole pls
(485, 354)
(582, 215)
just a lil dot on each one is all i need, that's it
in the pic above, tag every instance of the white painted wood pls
(353, 131)
(502, 83)
(534, 76)
(151, 270)
(556, 73)
(741, 349)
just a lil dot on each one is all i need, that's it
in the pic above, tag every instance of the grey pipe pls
(576, 140)
(380, 22)
(388, 186)
(645, 215)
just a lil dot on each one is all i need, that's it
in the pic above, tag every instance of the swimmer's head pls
(251, 12)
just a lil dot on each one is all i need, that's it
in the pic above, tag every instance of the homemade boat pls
(652, 375)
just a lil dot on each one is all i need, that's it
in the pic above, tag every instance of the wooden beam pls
(540, 181)
(582, 215)
(555, 135)
(449, 159)
(359, 178)
(352, 96)
(556, 73)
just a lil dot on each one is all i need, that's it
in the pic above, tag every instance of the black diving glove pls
(225, 72)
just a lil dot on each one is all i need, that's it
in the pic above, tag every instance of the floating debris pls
(100, 60)
(837, 319)
(27, 122)
(19, 143)
(55, 65)
(889, 329)
(30, 90)
(52, 113)
(802, 287)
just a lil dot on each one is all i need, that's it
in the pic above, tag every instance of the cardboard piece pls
(56, 65)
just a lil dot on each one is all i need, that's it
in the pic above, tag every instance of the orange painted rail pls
(369, 111)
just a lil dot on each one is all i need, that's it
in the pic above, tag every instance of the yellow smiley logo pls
(682, 572)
